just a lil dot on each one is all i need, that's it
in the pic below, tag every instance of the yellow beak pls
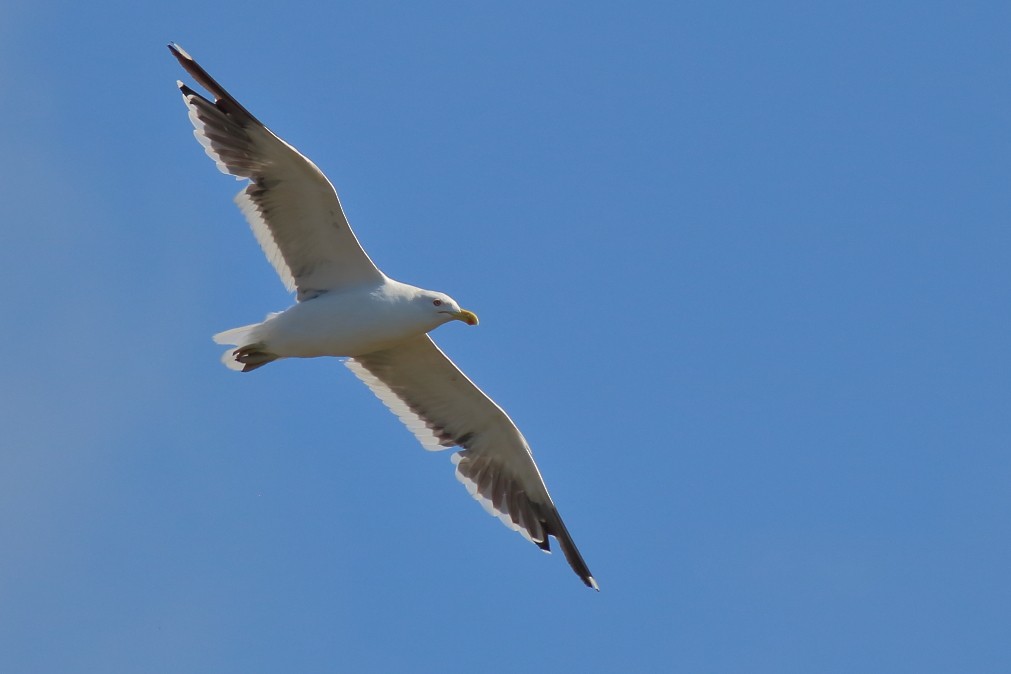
(468, 317)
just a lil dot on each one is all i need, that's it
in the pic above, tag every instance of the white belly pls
(336, 324)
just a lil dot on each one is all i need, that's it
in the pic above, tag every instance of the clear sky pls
(744, 275)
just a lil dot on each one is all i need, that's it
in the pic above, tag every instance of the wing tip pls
(179, 52)
(222, 99)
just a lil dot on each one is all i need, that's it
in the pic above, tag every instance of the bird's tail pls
(250, 353)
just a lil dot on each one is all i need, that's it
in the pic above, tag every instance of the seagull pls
(346, 307)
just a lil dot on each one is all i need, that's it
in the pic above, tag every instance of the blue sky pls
(743, 275)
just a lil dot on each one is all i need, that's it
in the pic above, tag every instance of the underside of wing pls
(444, 409)
(291, 207)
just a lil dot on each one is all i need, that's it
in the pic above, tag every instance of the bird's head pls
(447, 308)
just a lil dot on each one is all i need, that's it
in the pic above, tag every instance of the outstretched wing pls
(443, 408)
(290, 205)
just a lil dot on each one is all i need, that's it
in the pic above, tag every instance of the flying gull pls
(346, 307)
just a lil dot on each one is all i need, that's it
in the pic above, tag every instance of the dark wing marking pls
(443, 408)
(292, 208)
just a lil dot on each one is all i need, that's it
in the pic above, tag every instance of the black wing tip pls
(179, 52)
(582, 570)
(554, 525)
(573, 557)
(222, 99)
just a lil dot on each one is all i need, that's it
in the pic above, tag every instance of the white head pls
(444, 308)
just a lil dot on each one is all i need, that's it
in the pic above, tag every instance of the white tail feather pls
(228, 359)
(237, 336)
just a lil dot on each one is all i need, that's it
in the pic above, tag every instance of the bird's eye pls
(437, 303)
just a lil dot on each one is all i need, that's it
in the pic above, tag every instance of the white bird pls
(347, 307)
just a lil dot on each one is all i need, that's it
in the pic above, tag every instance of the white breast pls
(345, 324)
